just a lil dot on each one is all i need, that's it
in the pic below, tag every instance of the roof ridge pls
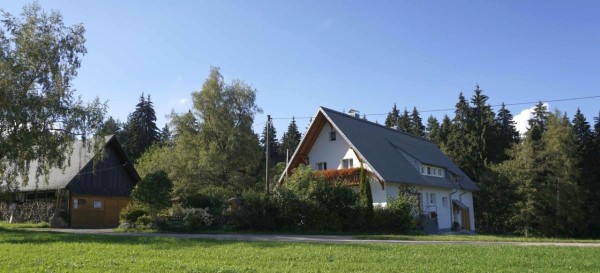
(379, 125)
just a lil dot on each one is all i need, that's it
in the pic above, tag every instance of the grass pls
(28, 251)
(6, 225)
(477, 238)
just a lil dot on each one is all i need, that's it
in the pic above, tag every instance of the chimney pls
(354, 113)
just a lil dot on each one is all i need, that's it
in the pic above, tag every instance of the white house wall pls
(444, 216)
(332, 152)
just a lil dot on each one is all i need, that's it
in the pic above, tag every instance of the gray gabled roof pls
(58, 178)
(386, 150)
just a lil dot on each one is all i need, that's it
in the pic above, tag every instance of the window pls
(332, 136)
(432, 171)
(321, 166)
(77, 202)
(445, 202)
(347, 163)
(97, 204)
(432, 199)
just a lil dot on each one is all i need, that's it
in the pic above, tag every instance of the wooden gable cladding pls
(301, 154)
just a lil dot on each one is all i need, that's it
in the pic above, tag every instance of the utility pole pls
(267, 144)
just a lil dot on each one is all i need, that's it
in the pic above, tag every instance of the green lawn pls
(26, 251)
(478, 238)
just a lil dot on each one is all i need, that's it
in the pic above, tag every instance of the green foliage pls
(40, 115)
(392, 118)
(132, 212)
(257, 212)
(196, 219)
(398, 215)
(366, 198)
(144, 222)
(433, 130)
(140, 131)
(290, 139)
(154, 191)
(416, 124)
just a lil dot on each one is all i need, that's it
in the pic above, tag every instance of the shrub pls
(132, 212)
(154, 191)
(196, 219)
(210, 197)
(398, 216)
(144, 222)
(257, 212)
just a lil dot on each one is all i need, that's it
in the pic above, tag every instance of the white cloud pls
(522, 119)
(183, 101)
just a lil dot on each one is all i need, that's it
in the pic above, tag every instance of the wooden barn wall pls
(109, 179)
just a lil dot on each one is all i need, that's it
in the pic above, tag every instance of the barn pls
(86, 193)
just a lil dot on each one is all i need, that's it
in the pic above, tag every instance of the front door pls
(466, 219)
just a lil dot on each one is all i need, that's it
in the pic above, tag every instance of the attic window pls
(432, 171)
(321, 166)
(332, 136)
(347, 163)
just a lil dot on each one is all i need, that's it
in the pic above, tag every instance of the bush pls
(212, 198)
(257, 212)
(144, 222)
(196, 219)
(154, 191)
(132, 212)
(398, 216)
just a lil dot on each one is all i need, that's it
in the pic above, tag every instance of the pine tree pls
(482, 131)
(274, 147)
(445, 129)
(587, 151)
(539, 121)
(141, 130)
(290, 139)
(416, 124)
(433, 130)
(391, 120)
(507, 134)
(110, 127)
(404, 123)
(459, 146)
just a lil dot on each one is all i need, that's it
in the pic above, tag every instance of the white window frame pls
(332, 136)
(431, 199)
(432, 171)
(321, 166)
(347, 163)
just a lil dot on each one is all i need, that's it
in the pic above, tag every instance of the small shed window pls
(97, 204)
(332, 136)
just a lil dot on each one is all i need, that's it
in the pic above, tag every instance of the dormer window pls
(332, 136)
(432, 171)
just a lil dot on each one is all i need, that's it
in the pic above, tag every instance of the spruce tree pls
(538, 123)
(416, 124)
(587, 151)
(459, 146)
(274, 147)
(290, 139)
(366, 198)
(482, 131)
(433, 130)
(141, 131)
(391, 120)
(404, 123)
(507, 134)
(445, 129)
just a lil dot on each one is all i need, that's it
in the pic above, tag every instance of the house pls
(396, 161)
(84, 194)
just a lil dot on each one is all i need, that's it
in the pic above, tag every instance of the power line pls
(451, 109)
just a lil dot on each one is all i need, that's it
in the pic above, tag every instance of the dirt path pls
(307, 238)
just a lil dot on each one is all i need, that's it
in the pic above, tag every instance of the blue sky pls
(364, 55)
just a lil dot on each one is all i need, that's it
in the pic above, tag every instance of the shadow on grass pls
(15, 236)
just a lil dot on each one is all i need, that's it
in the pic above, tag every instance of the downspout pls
(451, 205)
(460, 199)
